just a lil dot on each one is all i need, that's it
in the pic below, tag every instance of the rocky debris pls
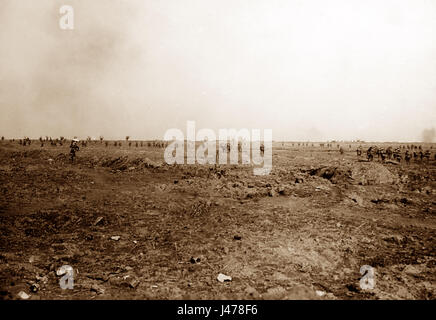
(333, 174)
(356, 173)
(130, 281)
(97, 289)
(34, 287)
(115, 238)
(412, 270)
(320, 293)
(22, 295)
(397, 239)
(357, 199)
(252, 292)
(43, 279)
(98, 220)
(223, 278)
(194, 260)
(372, 174)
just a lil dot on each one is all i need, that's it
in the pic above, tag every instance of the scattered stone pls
(98, 220)
(34, 287)
(412, 270)
(252, 292)
(133, 283)
(43, 279)
(320, 293)
(194, 260)
(237, 237)
(357, 199)
(22, 295)
(222, 278)
(275, 293)
(97, 289)
(352, 287)
(116, 238)
(394, 239)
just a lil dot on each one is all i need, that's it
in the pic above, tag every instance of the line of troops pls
(84, 143)
(390, 153)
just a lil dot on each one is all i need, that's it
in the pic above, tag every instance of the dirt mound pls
(124, 163)
(358, 173)
(372, 173)
(333, 174)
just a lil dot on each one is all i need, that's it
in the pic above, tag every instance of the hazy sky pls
(308, 69)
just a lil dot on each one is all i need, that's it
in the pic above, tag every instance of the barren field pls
(133, 227)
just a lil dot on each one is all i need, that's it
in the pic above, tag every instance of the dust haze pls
(428, 135)
(309, 70)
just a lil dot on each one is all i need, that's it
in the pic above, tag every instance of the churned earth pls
(132, 227)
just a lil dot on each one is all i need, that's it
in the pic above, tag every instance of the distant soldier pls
(359, 151)
(389, 153)
(397, 154)
(427, 155)
(415, 155)
(381, 154)
(73, 149)
(421, 155)
(369, 154)
(262, 148)
(407, 156)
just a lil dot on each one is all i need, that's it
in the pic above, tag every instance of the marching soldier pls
(369, 154)
(381, 154)
(397, 154)
(389, 152)
(73, 149)
(427, 155)
(407, 156)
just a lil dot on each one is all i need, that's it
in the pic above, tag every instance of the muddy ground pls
(302, 232)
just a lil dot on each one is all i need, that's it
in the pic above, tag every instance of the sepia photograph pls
(234, 150)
